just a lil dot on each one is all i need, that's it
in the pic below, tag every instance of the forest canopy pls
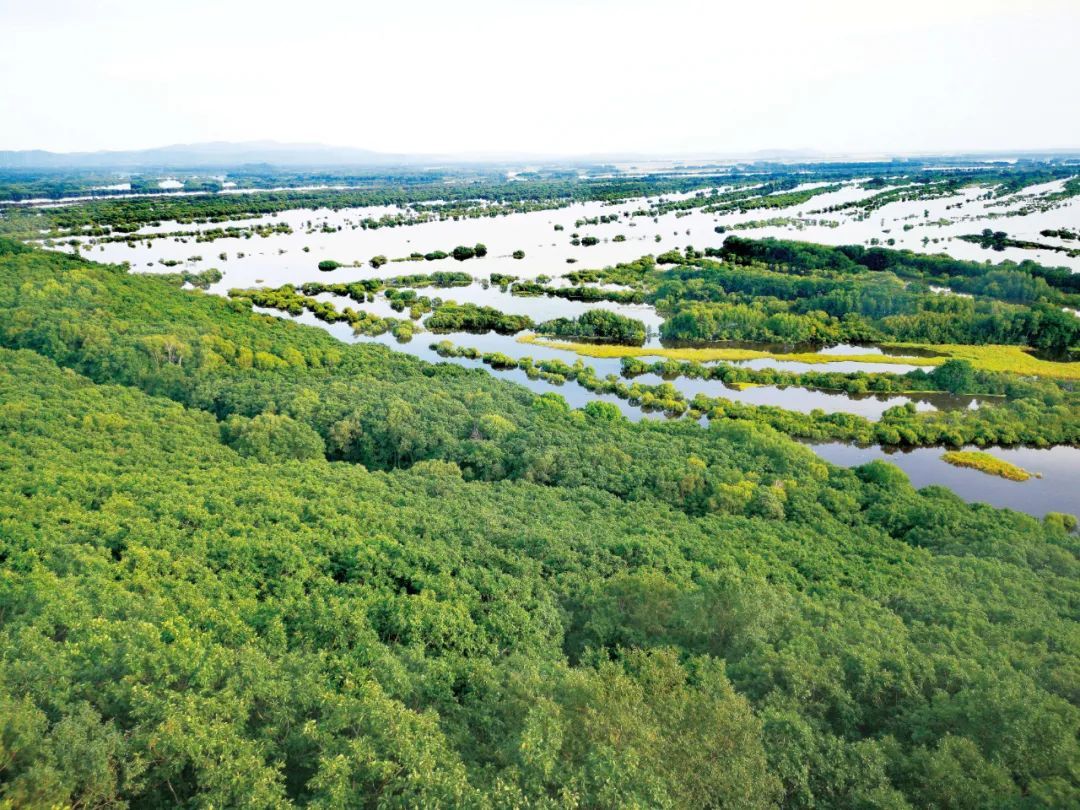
(242, 563)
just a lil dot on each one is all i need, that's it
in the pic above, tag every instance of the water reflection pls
(1057, 491)
(805, 400)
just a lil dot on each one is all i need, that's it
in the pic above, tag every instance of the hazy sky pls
(552, 76)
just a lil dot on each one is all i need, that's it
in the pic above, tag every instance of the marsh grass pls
(984, 462)
(1014, 359)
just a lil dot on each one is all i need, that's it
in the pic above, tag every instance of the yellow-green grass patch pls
(1015, 359)
(994, 357)
(710, 353)
(984, 462)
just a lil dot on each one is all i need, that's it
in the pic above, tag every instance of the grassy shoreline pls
(1013, 359)
(996, 357)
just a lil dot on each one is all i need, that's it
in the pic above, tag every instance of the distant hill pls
(225, 155)
(204, 155)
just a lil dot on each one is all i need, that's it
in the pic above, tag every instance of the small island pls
(984, 462)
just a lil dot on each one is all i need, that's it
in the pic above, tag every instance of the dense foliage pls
(1005, 281)
(952, 376)
(798, 292)
(453, 317)
(242, 564)
(600, 324)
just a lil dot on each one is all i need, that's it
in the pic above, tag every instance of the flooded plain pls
(921, 225)
(324, 234)
(546, 237)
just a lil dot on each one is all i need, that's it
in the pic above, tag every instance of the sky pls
(551, 77)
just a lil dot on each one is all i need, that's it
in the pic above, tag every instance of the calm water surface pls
(1057, 491)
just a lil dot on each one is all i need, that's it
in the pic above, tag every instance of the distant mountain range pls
(224, 154)
(218, 154)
